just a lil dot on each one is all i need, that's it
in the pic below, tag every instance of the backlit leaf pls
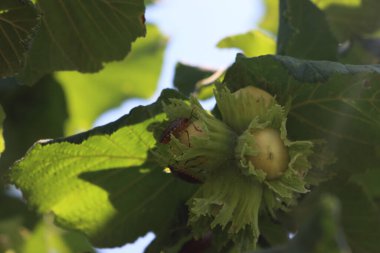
(46, 238)
(102, 182)
(2, 117)
(252, 43)
(271, 19)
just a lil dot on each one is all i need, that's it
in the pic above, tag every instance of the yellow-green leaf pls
(270, 19)
(252, 43)
(102, 182)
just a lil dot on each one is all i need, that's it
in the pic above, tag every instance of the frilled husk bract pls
(205, 152)
(230, 201)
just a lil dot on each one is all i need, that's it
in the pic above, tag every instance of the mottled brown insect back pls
(142, 18)
(175, 128)
(183, 129)
(184, 175)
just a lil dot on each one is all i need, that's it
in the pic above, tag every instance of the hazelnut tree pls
(287, 161)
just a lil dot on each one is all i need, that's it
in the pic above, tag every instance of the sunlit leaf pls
(270, 19)
(89, 95)
(81, 35)
(22, 231)
(18, 19)
(102, 183)
(46, 238)
(2, 117)
(323, 4)
(252, 43)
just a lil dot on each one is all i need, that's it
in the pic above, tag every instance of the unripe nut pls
(194, 129)
(256, 94)
(273, 157)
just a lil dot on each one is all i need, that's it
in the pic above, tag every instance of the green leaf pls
(360, 216)
(136, 76)
(323, 4)
(186, 78)
(321, 232)
(331, 101)
(18, 19)
(252, 43)
(15, 222)
(10, 235)
(353, 23)
(15, 208)
(350, 19)
(46, 238)
(271, 17)
(361, 219)
(304, 32)
(93, 32)
(23, 231)
(102, 183)
(360, 51)
(174, 241)
(328, 98)
(148, 2)
(369, 181)
(2, 117)
(32, 113)
(273, 232)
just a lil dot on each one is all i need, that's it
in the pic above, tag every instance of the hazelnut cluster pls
(243, 159)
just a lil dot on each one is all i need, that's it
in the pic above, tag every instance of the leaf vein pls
(325, 130)
(86, 49)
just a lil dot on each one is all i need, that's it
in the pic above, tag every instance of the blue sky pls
(193, 28)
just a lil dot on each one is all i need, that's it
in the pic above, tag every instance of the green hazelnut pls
(273, 157)
(255, 94)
